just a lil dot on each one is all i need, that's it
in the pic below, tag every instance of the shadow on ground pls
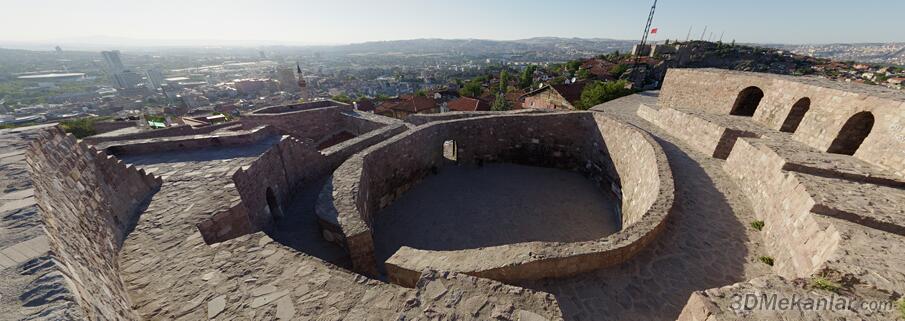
(300, 230)
(703, 246)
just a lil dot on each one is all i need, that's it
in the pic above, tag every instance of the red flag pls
(653, 31)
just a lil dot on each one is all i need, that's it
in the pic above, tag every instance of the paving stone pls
(216, 306)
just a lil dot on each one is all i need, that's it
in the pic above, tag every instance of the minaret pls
(303, 85)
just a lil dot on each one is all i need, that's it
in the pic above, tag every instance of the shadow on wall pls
(747, 101)
(703, 246)
(300, 230)
(852, 134)
(796, 115)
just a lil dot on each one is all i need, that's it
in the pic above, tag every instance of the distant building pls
(468, 104)
(401, 107)
(114, 62)
(248, 87)
(288, 81)
(154, 79)
(126, 80)
(303, 85)
(554, 97)
(53, 77)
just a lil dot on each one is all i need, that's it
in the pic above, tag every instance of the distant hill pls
(480, 46)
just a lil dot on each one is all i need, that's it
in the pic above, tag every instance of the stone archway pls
(747, 101)
(853, 133)
(796, 115)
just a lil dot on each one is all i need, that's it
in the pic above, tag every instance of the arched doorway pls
(747, 102)
(795, 116)
(273, 205)
(852, 134)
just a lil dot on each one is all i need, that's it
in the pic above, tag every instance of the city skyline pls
(282, 22)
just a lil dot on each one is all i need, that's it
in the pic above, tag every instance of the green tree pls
(500, 103)
(421, 92)
(504, 79)
(618, 70)
(573, 65)
(527, 77)
(583, 74)
(471, 89)
(81, 127)
(599, 92)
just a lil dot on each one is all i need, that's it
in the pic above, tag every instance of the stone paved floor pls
(707, 243)
(171, 274)
(23, 247)
(471, 207)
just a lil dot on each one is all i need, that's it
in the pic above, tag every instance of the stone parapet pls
(616, 156)
(816, 224)
(89, 202)
(183, 143)
(182, 130)
(713, 135)
(831, 105)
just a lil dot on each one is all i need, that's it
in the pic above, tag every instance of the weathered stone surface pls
(608, 152)
(832, 103)
(88, 202)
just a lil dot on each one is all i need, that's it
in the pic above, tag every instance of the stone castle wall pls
(794, 238)
(160, 145)
(183, 130)
(647, 194)
(109, 126)
(89, 201)
(299, 107)
(313, 124)
(372, 180)
(832, 104)
(421, 119)
(285, 169)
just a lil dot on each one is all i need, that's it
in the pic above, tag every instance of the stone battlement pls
(89, 202)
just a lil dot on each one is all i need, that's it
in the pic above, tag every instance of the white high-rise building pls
(154, 79)
(114, 63)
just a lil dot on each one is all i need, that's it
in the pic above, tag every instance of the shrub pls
(901, 305)
(599, 92)
(757, 225)
(825, 284)
(766, 260)
(81, 127)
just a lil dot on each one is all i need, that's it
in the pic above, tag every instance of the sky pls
(262, 22)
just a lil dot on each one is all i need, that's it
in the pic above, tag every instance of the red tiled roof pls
(468, 104)
(408, 103)
(515, 98)
(571, 92)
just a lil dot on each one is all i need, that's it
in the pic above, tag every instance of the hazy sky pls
(345, 21)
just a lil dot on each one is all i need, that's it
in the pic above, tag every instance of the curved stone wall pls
(618, 157)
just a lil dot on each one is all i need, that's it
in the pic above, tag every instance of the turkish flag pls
(653, 31)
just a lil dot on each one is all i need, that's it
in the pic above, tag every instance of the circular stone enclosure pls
(618, 157)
